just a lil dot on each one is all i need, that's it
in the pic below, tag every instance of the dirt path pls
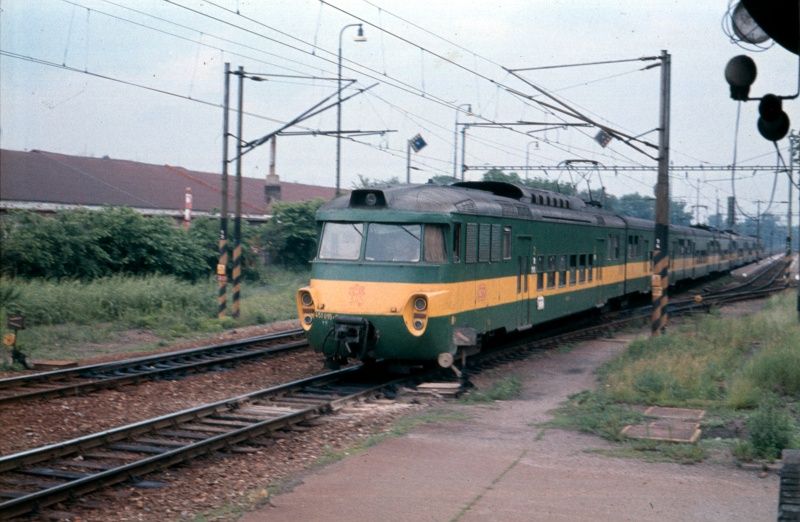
(498, 466)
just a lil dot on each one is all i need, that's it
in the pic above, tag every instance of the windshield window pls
(341, 241)
(393, 243)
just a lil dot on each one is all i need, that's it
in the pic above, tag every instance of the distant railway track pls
(34, 479)
(763, 281)
(84, 379)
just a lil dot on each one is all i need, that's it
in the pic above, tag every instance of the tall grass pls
(63, 315)
(723, 364)
(712, 360)
(113, 298)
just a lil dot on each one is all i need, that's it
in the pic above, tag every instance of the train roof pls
(488, 198)
(494, 198)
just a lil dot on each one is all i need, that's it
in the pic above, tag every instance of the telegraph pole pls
(222, 278)
(660, 278)
(237, 220)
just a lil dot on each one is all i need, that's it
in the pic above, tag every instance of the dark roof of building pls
(59, 179)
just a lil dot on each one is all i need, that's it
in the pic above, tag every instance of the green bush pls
(291, 235)
(204, 233)
(770, 429)
(81, 244)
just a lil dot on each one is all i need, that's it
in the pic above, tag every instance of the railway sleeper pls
(140, 448)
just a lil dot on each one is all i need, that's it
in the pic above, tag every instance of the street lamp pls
(455, 137)
(358, 38)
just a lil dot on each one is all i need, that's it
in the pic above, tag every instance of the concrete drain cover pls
(671, 425)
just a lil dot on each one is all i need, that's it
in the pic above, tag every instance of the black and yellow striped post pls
(660, 276)
(222, 278)
(237, 220)
(660, 282)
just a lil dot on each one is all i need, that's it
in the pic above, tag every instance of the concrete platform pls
(498, 466)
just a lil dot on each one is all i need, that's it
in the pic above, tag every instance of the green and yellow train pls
(419, 273)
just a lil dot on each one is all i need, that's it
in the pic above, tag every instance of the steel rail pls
(170, 439)
(73, 381)
(164, 441)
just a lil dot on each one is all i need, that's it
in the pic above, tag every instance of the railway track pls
(84, 379)
(762, 281)
(34, 479)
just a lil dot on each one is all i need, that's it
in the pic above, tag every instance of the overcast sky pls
(179, 47)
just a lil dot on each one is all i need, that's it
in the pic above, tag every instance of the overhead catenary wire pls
(237, 11)
(423, 94)
(129, 83)
(189, 39)
(419, 93)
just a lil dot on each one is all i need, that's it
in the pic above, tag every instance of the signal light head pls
(740, 73)
(773, 123)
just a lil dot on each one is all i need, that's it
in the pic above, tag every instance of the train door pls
(600, 254)
(524, 253)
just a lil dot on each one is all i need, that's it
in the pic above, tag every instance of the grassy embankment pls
(744, 371)
(74, 319)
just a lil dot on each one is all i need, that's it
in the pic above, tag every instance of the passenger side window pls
(591, 267)
(539, 266)
(573, 269)
(456, 242)
(506, 242)
(435, 251)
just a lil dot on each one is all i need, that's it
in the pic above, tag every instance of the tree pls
(365, 182)
(678, 215)
(291, 235)
(545, 184)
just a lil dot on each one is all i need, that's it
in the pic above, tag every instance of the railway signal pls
(773, 123)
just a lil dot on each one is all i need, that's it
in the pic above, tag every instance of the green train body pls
(424, 272)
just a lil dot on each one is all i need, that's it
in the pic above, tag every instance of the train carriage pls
(419, 273)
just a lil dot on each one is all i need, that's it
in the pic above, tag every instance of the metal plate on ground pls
(675, 413)
(671, 425)
(668, 430)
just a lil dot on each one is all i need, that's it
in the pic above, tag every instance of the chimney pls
(272, 187)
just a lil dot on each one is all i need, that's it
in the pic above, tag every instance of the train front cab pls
(380, 288)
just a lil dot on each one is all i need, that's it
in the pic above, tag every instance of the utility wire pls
(55, 65)
(419, 92)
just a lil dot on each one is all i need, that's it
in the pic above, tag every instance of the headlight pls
(418, 324)
(306, 299)
(420, 304)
